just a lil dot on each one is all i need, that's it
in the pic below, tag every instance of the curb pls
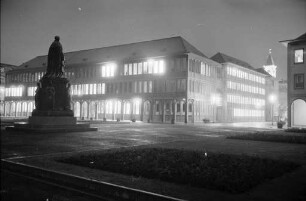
(81, 184)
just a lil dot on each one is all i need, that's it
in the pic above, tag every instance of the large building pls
(165, 80)
(296, 71)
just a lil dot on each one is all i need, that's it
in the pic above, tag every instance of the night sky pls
(245, 29)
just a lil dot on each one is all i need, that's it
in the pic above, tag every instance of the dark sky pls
(245, 29)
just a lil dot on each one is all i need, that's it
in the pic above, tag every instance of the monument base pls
(50, 128)
(52, 120)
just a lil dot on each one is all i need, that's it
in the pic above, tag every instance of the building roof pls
(223, 58)
(146, 49)
(300, 38)
(4, 65)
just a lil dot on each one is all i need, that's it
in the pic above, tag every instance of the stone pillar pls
(141, 110)
(151, 110)
(192, 107)
(4, 113)
(81, 109)
(88, 110)
(96, 110)
(186, 111)
(104, 109)
(289, 115)
(164, 111)
(132, 109)
(122, 110)
(173, 121)
(113, 112)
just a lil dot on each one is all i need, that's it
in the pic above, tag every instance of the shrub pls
(231, 173)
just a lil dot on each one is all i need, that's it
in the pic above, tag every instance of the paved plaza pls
(39, 149)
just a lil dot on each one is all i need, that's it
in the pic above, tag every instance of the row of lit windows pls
(245, 87)
(244, 75)
(24, 77)
(248, 113)
(31, 77)
(178, 85)
(245, 100)
(200, 67)
(148, 67)
(108, 70)
(14, 91)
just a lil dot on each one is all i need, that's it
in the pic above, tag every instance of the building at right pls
(296, 71)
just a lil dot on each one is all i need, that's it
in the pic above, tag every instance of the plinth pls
(52, 112)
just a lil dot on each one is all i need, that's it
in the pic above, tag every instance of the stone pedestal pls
(53, 112)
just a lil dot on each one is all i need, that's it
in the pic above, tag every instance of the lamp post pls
(272, 99)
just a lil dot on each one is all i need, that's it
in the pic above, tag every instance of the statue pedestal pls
(52, 113)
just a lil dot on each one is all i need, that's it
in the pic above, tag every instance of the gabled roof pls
(300, 38)
(223, 58)
(146, 49)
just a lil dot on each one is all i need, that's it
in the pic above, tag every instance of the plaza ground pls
(41, 149)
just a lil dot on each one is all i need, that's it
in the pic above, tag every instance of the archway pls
(77, 109)
(24, 109)
(13, 109)
(85, 110)
(298, 113)
(92, 110)
(18, 109)
(30, 108)
(7, 109)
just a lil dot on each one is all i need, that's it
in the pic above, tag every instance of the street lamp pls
(272, 99)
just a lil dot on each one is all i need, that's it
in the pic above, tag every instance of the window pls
(299, 81)
(299, 56)
(108, 70)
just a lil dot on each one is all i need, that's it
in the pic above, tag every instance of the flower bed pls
(231, 173)
(270, 138)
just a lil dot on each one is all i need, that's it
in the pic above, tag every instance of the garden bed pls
(231, 173)
(298, 139)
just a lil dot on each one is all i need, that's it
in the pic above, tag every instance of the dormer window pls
(299, 56)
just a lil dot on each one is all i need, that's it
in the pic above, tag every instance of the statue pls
(56, 59)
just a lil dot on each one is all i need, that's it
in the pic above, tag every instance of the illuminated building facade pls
(296, 72)
(244, 96)
(4, 68)
(166, 80)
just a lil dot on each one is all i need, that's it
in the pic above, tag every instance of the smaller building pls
(296, 68)
(244, 90)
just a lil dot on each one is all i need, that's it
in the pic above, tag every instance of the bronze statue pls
(56, 59)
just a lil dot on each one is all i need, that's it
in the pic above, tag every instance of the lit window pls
(150, 86)
(139, 68)
(126, 69)
(161, 67)
(299, 56)
(135, 69)
(136, 105)
(145, 67)
(145, 88)
(108, 70)
(150, 66)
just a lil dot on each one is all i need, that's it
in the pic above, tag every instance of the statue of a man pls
(56, 59)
